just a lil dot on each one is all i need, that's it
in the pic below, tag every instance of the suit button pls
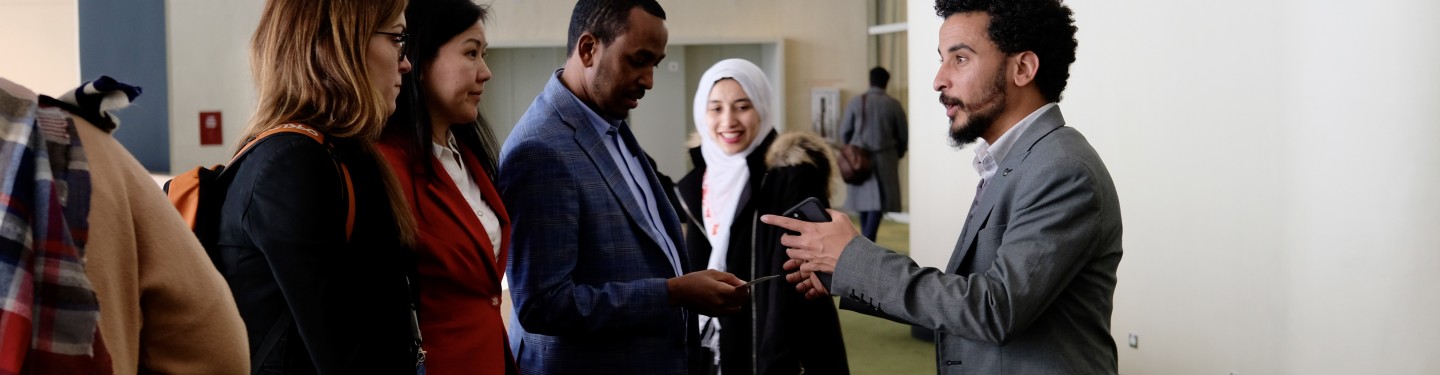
(495, 301)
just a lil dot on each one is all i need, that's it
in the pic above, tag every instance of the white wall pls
(659, 122)
(42, 44)
(209, 42)
(1187, 117)
(518, 76)
(935, 224)
(1362, 187)
(1276, 173)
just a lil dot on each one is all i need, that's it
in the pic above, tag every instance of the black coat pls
(792, 332)
(282, 245)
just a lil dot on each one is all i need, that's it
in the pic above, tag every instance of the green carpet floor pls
(879, 346)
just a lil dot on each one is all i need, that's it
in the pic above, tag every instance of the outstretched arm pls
(1046, 243)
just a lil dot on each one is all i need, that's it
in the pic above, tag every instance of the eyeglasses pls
(400, 39)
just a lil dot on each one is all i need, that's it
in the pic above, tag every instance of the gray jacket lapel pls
(1001, 182)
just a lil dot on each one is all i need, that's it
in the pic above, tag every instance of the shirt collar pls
(600, 124)
(448, 152)
(988, 156)
(449, 147)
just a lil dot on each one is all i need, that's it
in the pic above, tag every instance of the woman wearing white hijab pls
(743, 169)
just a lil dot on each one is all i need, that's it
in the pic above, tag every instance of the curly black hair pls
(1045, 27)
(606, 19)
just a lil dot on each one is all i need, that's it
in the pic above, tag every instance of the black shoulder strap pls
(856, 134)
(272, 337)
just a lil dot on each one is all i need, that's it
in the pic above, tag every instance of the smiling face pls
(455, 79)
(733, 121)
(387, 65)
(623, 70)
(971, 79)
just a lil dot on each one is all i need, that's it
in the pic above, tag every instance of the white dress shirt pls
(988, 156)
(449, 156)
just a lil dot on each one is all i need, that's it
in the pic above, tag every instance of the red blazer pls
(458, 275)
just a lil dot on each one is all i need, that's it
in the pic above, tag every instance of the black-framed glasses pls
(400, 38)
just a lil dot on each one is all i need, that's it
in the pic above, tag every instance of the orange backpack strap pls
(184, 193)
(308, 131)
(301, 129)
(350, 197)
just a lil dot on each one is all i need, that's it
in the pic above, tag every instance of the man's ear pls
(1024, 68)
(587, 47)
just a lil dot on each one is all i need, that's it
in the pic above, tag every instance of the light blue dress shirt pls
(637, 174)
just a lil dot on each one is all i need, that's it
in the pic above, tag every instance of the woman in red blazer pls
(443, 155)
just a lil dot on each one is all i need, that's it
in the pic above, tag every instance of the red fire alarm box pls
(210, 133)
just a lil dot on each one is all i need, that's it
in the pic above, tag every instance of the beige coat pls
(163, 307)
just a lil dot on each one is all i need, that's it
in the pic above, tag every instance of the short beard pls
(603, 96)
(980, 120)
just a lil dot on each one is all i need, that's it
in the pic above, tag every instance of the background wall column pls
(126, 41)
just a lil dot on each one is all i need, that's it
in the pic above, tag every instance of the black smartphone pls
(810, 210)
(813, 211)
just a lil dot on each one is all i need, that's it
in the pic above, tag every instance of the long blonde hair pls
(309, 62)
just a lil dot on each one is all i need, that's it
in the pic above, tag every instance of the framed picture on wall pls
(825, 113)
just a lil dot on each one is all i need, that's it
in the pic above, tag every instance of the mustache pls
(951, 101)
(636, 93)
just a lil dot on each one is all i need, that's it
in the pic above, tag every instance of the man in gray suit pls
(1029, 287)
(876, 122)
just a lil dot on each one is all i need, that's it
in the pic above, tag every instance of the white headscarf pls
(727, 175)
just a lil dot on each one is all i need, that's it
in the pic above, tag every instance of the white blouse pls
(449, 156)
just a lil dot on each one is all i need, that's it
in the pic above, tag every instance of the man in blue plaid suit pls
(597, 271)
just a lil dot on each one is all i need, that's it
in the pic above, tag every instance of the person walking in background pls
(744, 168)
(319, 295)
(443, 155)
(1030, 286)
(123, 286)
(598, 266)
(876, 122)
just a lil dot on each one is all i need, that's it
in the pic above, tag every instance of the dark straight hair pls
(431, 24)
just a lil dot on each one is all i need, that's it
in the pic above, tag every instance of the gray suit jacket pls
(1029, 287)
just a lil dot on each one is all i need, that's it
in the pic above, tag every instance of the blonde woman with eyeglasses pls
(313, 235)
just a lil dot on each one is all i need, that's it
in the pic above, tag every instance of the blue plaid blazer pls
(587, 278)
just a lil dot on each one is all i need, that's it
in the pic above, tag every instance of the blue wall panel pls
(126, 40)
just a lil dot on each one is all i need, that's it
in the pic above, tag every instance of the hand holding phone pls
(810, 210)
